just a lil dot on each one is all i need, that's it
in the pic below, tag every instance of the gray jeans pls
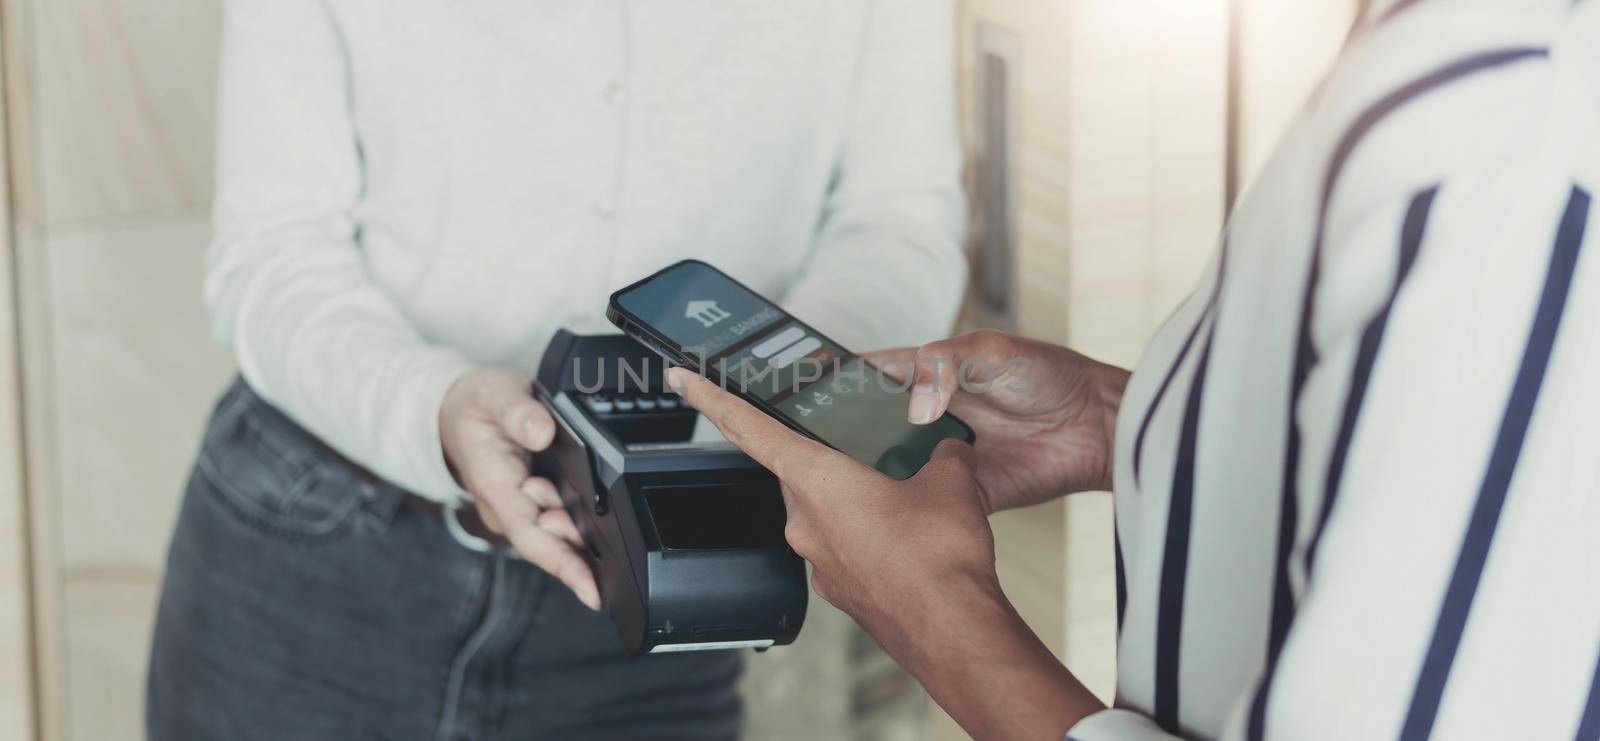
(305, 599)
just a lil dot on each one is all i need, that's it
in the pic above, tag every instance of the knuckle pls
(695, 387)
(798, 541)
(990, 343)
(945, 468)
(539, 485)
(793, 462)
(506, 503)
(534, 545)
(486, 389)
(937, 363)
(984, 337)
(734, 426)
(689, 388)
(956, 462)
(933, 352)
(759, 437)
(523, 407)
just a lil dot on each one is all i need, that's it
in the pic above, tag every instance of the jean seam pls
(228, 412)
(234, 416)
(254, 514)
(260, 430)
(479, 587)
(449, 715)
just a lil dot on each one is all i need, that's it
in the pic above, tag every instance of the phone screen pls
(796, 373)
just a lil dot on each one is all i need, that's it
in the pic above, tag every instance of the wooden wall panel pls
(1120, 179)
(1028, 544)
(16, 603)
(31, 347)
(149, 66)
(1147, 139)
(110, 122)
(136, 372)
(1285, 48)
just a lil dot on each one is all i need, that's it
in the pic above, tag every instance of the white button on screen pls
(765, 348)
(795, 352)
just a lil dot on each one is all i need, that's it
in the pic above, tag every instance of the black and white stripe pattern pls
(1358, 492)
(1440, 659)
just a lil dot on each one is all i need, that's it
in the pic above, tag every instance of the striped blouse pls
(1358, 472)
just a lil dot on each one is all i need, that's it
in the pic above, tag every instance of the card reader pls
(685, 536)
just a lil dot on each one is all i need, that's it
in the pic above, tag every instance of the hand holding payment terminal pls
(685, 536)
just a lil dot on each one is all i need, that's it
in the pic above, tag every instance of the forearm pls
(330, 351)
(287, 284)
(887, 266)
(977, 658)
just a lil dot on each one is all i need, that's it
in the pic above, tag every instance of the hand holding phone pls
(697, 316)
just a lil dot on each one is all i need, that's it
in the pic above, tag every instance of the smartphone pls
(698, 317)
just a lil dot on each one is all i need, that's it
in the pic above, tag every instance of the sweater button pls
(616, 92)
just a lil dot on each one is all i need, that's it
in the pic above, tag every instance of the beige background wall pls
(108, 127)
(16, 677)
(1121, 153)
(113, 106)
(1285, 46)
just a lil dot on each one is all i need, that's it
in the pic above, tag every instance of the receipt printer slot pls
(715, 517)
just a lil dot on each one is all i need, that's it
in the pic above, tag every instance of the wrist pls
(1110, 384)
(982, 663)
(452, 405)
(924, 633)
(438, 384)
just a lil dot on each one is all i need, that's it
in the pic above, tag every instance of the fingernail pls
(589, 598)
(924, 405)
(676, 378)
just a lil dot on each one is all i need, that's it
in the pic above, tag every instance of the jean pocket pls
(273, 474)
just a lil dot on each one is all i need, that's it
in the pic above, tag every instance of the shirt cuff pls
(1118, 725)
(427, 474)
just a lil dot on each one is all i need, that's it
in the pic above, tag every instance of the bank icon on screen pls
(707, 313)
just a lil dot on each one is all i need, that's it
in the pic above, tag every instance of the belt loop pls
(452, 522)
(381, 499)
